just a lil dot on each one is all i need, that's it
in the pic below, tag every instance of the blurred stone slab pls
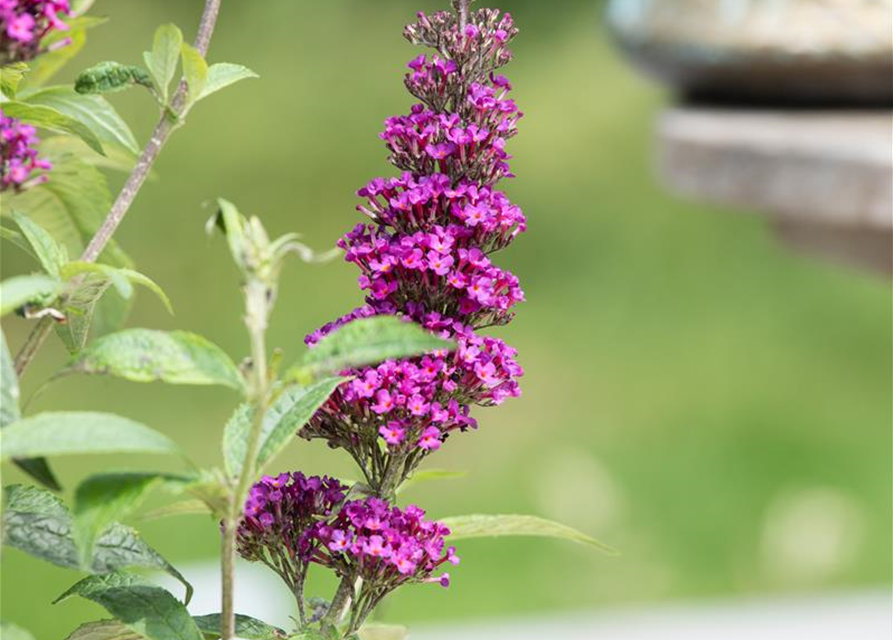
(825, 177)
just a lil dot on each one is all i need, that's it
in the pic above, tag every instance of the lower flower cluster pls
(18, 155)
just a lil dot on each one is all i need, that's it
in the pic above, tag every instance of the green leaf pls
(495, 526)
(9, 631)
(246, 627)
(39, 469)
(222, 75)
(21, 290)
(289, 412)
(103, 630)
(146, 355)
(51, 255)
(51, 119)
(80, 432)
(46, 65)
(73, 203)
(145, 608)
(78, 309)
(111, 77)
(182, 508)
(9, 386)
(10, 77)
(195, 69)
(120, 277)
(37, 523)
(95, 112)
(102, 499)
(368, 341)
(212, 488)
(377, 631)
(162, 60)
(427, 475)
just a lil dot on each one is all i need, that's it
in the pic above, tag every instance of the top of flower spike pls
(24, 23)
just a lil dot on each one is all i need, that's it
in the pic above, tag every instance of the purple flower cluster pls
(18, 155)
(427, 254)
(279, 514)
(24, 23)
(385, 546)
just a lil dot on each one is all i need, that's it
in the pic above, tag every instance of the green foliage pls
(246, 627)
(103, 630)
(111, 77)
(51, 255)
(122, 279)
(495, 526)
(9, 631)
(10, 77)
(48, 118)
(368, 341)
(195, 70)
(143, 607)
(35, 289)
(162, 60)
(9, 386)
(222, 75)
(94, 112)
(294, 407)
(37, 523)
(102, 499)
(78, 310)
(182, 508)
(57, 433)
(147, 355)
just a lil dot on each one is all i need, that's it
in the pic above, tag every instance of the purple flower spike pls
(24, 23)
(18, 155)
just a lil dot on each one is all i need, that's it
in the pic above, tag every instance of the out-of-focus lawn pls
(717, 408)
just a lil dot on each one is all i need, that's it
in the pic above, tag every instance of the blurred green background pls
(697, 396)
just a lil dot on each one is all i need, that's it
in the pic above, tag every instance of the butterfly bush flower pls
(18, 155)
(24, 23)
(426, 252)
(385, 546)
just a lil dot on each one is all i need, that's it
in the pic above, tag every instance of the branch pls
(131, 187)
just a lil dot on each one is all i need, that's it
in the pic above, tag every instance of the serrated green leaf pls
(10, 77)
(368, 341)
(247, 628)
(93, 111)
(145, 608)
(111, 77)
(103, 630)
(147, 355)
(495, 526)
(52, 255)
(421, 476)
(44, 117)
(222, 75)
(21, 290)
(57, 433)
(37, 523)
(378, 631)
(9, 631)
(162, 60)
(195, 70)
(102, 499)
(294, 407)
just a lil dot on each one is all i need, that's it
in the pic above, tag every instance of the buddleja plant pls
(388, 383)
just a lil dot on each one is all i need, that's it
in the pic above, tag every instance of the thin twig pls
(132, 185)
